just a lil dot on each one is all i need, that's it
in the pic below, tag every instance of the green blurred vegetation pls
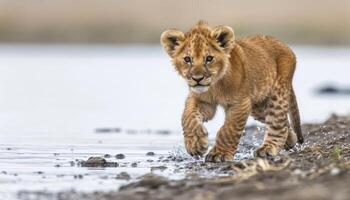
(320, 22)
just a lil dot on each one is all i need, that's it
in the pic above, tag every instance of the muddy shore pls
(319, 169)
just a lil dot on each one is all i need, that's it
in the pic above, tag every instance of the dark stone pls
(107, 156)
(150, 153)
(120, 156)
(333, 90)
(94, 162)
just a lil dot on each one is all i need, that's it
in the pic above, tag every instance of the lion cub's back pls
(268, 44)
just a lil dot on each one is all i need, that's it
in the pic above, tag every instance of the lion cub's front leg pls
(196, 136)
(229, 134)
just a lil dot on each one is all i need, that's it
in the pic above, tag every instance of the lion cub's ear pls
(225, 37)
(170, 39)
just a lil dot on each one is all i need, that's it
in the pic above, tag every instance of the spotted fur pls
(247, 76)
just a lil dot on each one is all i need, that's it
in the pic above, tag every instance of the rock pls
(333, 90)
(134, 164)
(163, 132)
(107, 156)
(108, 130)
(161, 168)
(123, 176)
(120, 156)
(78, 176)
(72, 163)
(97, 162)
(335, 171)
(94, 162)
(151, 153)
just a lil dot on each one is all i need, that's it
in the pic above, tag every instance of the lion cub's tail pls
(295, 116)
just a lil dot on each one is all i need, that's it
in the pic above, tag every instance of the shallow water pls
(53, 98)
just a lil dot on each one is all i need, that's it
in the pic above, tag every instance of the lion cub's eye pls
(187, 59)
(208, 59)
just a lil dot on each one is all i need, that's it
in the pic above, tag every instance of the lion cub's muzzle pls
(199, 83)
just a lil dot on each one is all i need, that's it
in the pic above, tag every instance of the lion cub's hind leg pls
(276, 120)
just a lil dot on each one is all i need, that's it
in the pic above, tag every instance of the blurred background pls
(131, 21)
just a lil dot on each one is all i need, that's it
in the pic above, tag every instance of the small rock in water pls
(123, 176)
(103, 130)
(108, 130)
(151, 153)
(72, 163)
(120, 156)
(107, 156)
(94, 162)
(134, 164)
(333, 90)
(79, 176)
(149, 160)
(161, 168)
(163, 132)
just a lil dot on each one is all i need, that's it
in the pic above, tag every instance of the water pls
(53, 98)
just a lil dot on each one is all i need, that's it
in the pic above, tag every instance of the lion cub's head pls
(201, 56)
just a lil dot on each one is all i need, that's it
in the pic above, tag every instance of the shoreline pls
(319, 169)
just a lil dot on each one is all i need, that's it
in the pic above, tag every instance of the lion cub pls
(247, 76)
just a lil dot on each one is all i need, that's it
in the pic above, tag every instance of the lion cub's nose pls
(197, 78)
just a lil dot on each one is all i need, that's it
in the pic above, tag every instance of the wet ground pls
(319, 169)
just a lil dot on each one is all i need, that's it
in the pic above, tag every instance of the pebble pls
(134, 164)
(79, 176)
(335, 171)
(94, 162)
(151, 153)
(123, 176)
(161, 168)
(72, 163)
(120, 156)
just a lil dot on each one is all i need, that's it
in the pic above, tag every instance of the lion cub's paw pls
(267, 150)
(216, 155)
(196, 145)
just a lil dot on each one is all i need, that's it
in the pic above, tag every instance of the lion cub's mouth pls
(199, 88)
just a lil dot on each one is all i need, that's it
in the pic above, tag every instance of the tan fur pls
(248, 76)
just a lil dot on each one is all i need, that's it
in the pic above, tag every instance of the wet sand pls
(319, 169)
